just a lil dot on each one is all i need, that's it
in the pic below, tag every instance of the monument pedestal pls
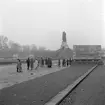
(64, 45)
(64, 51)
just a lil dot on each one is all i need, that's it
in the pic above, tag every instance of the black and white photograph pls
(52, 52)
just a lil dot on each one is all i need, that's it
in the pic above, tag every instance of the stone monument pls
(64, 41)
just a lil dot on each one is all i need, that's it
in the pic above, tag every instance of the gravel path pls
(90, 92)
(40, 90)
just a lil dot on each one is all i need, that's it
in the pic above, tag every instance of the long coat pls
(32, 63)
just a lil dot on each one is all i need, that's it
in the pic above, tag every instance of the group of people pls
(64, 62)
(30, 61)
(41, 62)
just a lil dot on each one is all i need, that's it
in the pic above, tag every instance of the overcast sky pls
(42, 22)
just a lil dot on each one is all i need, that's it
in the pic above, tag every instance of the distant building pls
(103, 52)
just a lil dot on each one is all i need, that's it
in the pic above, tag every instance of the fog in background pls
(42, 22)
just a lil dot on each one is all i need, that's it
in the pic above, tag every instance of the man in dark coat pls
(32, 63)
(28, 63)
(67, 62)
(49, 63)
(42, 62)
(64, 63)
(59, 62)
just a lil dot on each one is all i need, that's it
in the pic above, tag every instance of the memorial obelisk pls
(64, 44)
(64, 51)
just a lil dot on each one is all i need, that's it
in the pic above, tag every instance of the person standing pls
(67, 62)
(31, 63)
(19, 66)
(59, 63)
(49, 64)
(28, 63)
(64, 63)
(34, 62)
(70, 61)
(42, 62)
(38, 63)
(46, 61)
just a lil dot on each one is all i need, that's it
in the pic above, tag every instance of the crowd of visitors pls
(64, 62)
(42, 62)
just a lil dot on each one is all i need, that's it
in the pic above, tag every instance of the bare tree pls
(3, 42)
(14, 46)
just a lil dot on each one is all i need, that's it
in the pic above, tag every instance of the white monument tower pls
(64, 41)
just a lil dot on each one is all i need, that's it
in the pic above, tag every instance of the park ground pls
(38, 91)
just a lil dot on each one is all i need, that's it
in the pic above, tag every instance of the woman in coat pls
(19, 65)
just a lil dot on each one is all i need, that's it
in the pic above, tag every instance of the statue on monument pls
(64, 37)
(64, 41)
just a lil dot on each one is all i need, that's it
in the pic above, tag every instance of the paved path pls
(90, 92)
(40, 90)
(9, 76)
